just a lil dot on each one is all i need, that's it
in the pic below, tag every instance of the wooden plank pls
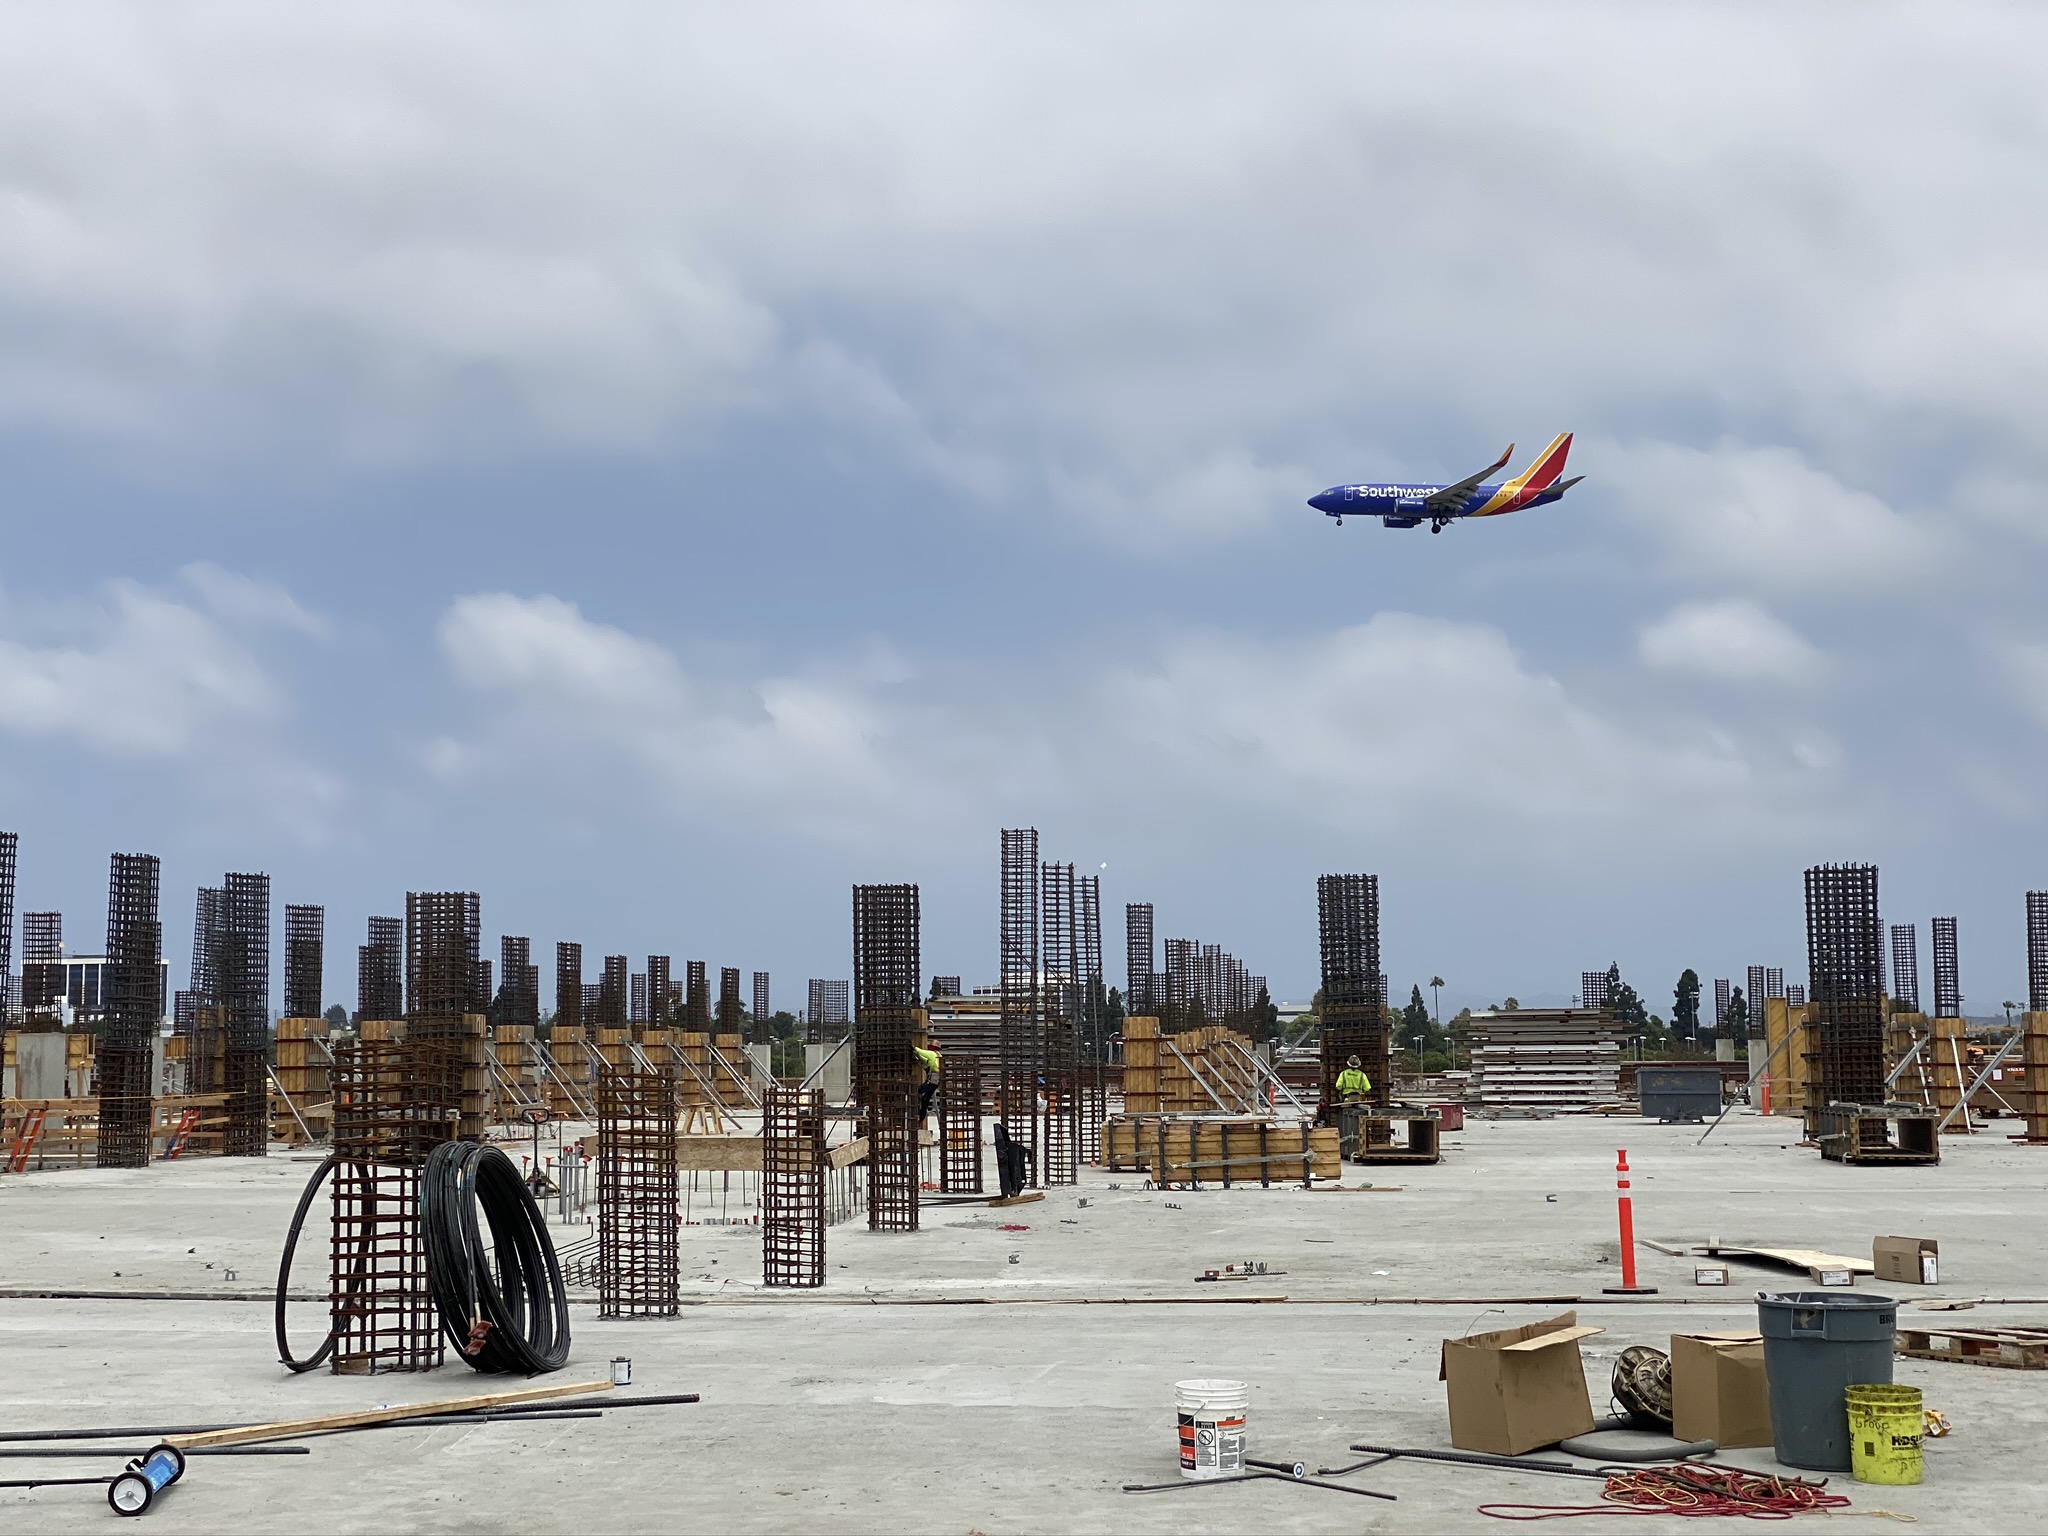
(285, 1429)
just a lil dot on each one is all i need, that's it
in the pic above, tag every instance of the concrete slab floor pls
(875, 1405)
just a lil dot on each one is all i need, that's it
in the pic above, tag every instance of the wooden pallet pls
(2017, 1349)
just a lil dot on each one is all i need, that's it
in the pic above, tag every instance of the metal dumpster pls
(1679, 1093)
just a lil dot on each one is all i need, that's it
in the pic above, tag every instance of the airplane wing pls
(1452, 497)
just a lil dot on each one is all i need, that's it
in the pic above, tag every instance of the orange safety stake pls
(1628, 1286)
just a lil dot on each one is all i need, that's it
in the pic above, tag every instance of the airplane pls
(1409, 506)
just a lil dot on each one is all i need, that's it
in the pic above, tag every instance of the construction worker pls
(1352, 1083)
(929, 1087)
(1352, 1087)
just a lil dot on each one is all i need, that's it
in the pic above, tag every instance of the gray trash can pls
(1817, 1344)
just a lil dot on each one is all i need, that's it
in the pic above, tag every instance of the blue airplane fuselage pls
(1402, 506)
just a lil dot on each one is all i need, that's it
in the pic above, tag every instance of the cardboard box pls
(1717, 1389)
(1905, 1260)
(1519, 1388)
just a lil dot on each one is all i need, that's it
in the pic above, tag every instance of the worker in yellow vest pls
(1352, 1083)
(929, 1087)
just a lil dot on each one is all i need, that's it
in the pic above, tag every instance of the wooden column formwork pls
(306, 1109)
(637, 1190)
(793, 1188)
(2034, 1056)
(1141, 1065)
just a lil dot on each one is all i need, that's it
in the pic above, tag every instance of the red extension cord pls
(1690, 1488)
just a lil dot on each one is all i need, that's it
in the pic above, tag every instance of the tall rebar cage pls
(1019, 1046)
(1906, 967)
(389, 1113)
(1753, 997)
(569, 984)
(793, 1187)
(1094, 1080)
(731, 1011)
(1354, 989)
(519, 997)
(1593, 990)
(1059, 1136)
(380, 970)
(826, 1008)
(637, 1189)
(241, 961)
(1844, 940)
(611, 993)
(886, 971)
(696, 998)
(305, 961)
(10, 843)
(960, 1162)
(660, 991)
(1948, 980)
(42, 961)
(444, 975)
(1141, 957)
(761, 1007)
(132, 999)
(2037, 951)
(636, 1007)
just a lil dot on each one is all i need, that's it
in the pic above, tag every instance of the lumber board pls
(248, 1434)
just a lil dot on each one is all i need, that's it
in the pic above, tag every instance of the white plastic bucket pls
(1211, 1415)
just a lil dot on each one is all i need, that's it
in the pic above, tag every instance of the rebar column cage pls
(389, 1113)
(730, 1008)
(1094, 1081)
(1593, 990)
(1948, 984)
(380, 971)
(1906, 967)
(886, 969)
(443, 974)
(960, 1165)
(826, 1007)
(660, 1005)
(793, 1187)
(1140, 959)
(696, 998)
(761, 1009)
(305, 952)
(1059, 1136)
(2037, 951)
(1018, 1046)
(9, 845)
(132, 999)
(637, 1186)
(569, 984)
(1753, 998)
(1354, 990)
(42, 961)
(519, 994)
(241, 960)
(611, 993)
(1843, 942)
(1723, 996)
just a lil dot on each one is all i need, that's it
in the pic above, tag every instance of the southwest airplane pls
(1408, 506)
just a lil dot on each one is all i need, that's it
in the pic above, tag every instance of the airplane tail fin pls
(1533, 481)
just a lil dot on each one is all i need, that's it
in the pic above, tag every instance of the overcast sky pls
(657, 466)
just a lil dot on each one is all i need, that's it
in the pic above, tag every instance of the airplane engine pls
(1402, 522)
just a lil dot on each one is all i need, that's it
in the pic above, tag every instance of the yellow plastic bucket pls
(1884, 1433)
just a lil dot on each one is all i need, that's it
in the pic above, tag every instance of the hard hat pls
(1352, 1062)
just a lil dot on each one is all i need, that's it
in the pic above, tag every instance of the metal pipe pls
(1476, 1459)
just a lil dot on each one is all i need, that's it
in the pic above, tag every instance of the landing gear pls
(1436, 524)
(1340, 522)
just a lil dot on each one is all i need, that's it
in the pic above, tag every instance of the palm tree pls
(1436, 986)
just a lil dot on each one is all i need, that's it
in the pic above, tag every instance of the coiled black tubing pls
(514, 1284)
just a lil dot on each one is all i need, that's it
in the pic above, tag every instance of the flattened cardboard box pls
(1905, 1260)
(1717, 1389)
(1516, 1389)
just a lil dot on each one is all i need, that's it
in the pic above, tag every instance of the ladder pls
(188, 1121)
(25, 1139)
